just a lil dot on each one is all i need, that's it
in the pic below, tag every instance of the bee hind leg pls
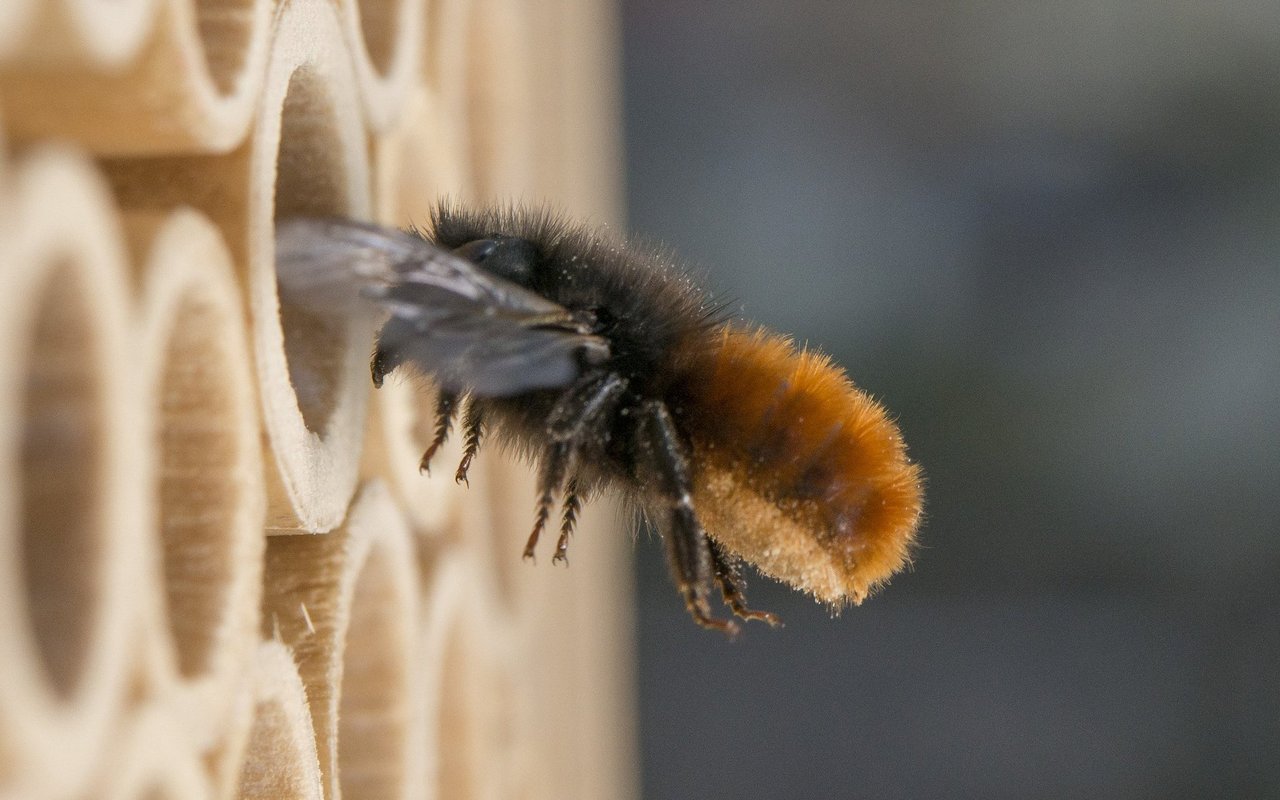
(664, 468)
(729, 577)
(572, 505)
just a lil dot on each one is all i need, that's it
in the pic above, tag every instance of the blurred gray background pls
(1047, 236)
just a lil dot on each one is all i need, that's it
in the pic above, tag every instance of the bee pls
(610, 369)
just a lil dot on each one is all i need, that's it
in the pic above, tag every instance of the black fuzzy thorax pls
(656, 318)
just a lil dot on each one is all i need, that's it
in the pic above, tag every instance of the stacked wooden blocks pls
(221, 574)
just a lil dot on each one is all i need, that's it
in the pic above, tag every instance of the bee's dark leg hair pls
(729, 577)
(586, 400)
(446, 408)
(386, 358)
(593, 395)
(473, 427)
(380, 365)
(572, 505)
(664, 465)
(554, 465)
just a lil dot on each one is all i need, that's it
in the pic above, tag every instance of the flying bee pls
(610, 369)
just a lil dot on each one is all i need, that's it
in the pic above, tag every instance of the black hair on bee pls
(610, 369)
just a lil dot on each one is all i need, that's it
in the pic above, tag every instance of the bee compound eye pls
(508, 257)
(477, 251)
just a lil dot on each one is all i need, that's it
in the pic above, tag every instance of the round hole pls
(225, 28)
(199, 493)
(458, 724)
(372, 723)
(62, 448)
(378, 22)
(311, 181)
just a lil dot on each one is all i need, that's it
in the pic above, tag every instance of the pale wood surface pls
(223, 575)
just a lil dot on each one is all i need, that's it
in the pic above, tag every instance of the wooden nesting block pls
(386, 41)
(58, 34)
(224, 760)
(467, 680)
(15, 19)
(307, 154)
(400, 426)
(345, 602)
(72, 510)
(444, 59)
(151, 758)
(575, 82)
(280, 761)
(499, 110)
(568, 632)
(444, 72)
(414, 166)
(192, 87)
(207, 495)
(417, 163)
(577, 638)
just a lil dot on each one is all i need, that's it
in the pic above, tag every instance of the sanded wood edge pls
(72, 509)
(345, 602)
(307, 155)
(102, 34)
(280, 757)
(150, 757)
(386, 38)
(192, 87)
(207, 495)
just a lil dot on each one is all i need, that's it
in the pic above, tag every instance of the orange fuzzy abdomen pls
(798, 471)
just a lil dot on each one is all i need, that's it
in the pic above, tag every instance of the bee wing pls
(470, 329)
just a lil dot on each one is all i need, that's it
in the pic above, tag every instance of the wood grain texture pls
(166, 414)
(280, 761)
(385, 39)
(71, 34)
(72, 506)
(190, 88)
(207, 493)
(344, 602)
(151, 757)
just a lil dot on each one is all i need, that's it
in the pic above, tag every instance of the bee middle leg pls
(446, 410)
(555, 462)
(664, 466)
(568, 426)
(473, 430)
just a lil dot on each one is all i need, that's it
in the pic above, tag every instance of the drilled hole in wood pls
(225, 28)
(378, 20)
(372, 717)
(311, 181)
(200, 493)
(62, 478)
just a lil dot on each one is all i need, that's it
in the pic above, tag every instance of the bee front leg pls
(388, 354)
(663, 467)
